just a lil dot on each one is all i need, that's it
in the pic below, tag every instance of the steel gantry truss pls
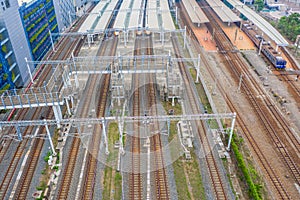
(64, 83)
(78, 122)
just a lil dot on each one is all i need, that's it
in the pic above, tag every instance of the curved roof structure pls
(225, 13)
(260, 22)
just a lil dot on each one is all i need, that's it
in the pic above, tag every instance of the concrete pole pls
(29, 70)
(121, 149)
(176, 15)
(231, 131)
(75, 76)
(184, 38)
(57, 114)
(49, 137)
(260, 46)
(125, 38)
(70, 19)
(72, 101)
(68, 106)
(105, 137)
(198, 69)
(52, 43)
(89, 40)
(19, 134)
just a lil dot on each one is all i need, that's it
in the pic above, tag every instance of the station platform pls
(242, 42)
(205, 38)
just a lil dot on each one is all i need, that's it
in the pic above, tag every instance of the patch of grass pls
(249, 174)
(191, 166)
(112, 179)
(42, 186)
(47, 157)
(57, 158)
(168, 106)
(180, 179)
(113, 137)
(195, 177)
(107, 183)
(118, 186)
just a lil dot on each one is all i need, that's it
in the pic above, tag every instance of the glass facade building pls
(39, 19)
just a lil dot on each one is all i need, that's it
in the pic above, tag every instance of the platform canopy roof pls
(225, 13)
(260, 22)
(194, 11)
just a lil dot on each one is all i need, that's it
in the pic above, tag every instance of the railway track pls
(91, 164)
(135, 176)
(64, 48)
(33, 157)
(217, 181)
(294, 89)
(264, 108)
(161, 181)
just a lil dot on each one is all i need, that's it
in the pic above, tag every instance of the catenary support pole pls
(68, 106)
(57, 114)
(231, 131)
(50, 139)
(184, 38)
(29, 71)
(51, 39)
(19, 132)
(198, 69)
(105, 137)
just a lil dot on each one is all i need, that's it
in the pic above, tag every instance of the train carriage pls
(272, 55)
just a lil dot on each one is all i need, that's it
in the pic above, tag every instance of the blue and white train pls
(272, 55)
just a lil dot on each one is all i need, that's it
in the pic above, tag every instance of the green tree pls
(259, 4)
(290, 26)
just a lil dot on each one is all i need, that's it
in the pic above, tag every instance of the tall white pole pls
(231, 131)
(29, 70)
(49, 137)
(184, 38)
(105, 137)
(52, 43)
(176, 14)
(198, 68)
